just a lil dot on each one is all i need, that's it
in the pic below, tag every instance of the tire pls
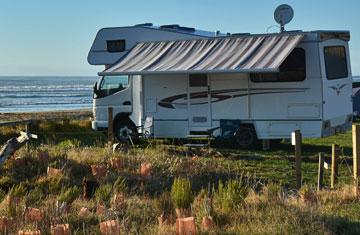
(246, 138)
(124, 129)
(275, 142)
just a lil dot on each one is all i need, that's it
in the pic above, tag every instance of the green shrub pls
(120, 185)
(6, 182)
(164, 204)
(181, 193)
(2, 195)
(103, 194)
(273, 191)
(18, 190)
(202, 205)
(55, 185)
(230, 195)
(69, 144)
(34, 197)
(69, 195)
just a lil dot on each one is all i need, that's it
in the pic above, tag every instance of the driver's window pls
(114, 83)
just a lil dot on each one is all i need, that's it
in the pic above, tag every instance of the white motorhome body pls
(305, 84)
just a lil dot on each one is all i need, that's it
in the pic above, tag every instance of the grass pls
(268, 205)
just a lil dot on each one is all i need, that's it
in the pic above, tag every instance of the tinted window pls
(198, 80)
(293, 69)
(115, 45)
(335, 62)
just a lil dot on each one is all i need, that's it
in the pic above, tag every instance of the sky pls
(53, 37)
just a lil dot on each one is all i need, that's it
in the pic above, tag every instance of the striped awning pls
(263, 53)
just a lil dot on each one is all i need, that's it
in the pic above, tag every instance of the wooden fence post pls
(110, 126)
(320, 172)
(334, 164)
(298, 158)
(356, 154)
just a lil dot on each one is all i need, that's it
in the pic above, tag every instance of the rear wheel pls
(245, 137)
(125, 130)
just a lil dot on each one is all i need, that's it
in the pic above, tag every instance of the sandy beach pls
(76, 114)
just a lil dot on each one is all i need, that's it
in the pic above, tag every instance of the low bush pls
(181, 193)
(69, 195)
(18, 190)
(2, 195)
(164, 204)
(230, 195)
(69, 144)
(103, 194)
(34, 197)
(120, 185)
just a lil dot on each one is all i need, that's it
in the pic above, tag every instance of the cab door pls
(336, 77)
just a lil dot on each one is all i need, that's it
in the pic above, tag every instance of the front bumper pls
(99, 125)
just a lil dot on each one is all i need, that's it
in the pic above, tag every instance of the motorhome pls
(180, 82)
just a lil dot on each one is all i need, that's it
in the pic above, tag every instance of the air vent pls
(145, 24)
(199, 119)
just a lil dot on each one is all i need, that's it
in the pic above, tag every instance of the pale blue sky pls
(49, 37)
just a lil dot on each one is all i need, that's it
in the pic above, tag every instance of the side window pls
(115, 45)
(293, 69)
(335, 62)
(198, 80)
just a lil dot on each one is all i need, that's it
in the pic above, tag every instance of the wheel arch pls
(122, 117)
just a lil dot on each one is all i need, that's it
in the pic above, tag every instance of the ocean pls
(34, 94)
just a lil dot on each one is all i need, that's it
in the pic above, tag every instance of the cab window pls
(293, 69)
(111, 84)
(335, 62)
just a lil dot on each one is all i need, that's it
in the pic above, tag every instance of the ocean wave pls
(31, 96)
(19, 94)
(43, 103)
(44, 88)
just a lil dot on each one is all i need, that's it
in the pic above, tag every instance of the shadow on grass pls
(341, 225)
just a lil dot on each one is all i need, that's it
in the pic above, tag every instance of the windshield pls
(108, 85)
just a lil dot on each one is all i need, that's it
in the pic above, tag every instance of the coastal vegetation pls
(72, 176)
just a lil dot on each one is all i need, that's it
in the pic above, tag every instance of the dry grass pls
(271, 206)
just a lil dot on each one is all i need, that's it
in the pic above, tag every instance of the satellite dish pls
(283, 15)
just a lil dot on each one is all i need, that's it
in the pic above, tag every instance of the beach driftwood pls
(13, 144)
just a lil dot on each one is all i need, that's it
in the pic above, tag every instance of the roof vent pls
(177, 27)
(240, 34)
(145, 24)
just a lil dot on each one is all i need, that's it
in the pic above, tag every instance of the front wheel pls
(125, 132)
